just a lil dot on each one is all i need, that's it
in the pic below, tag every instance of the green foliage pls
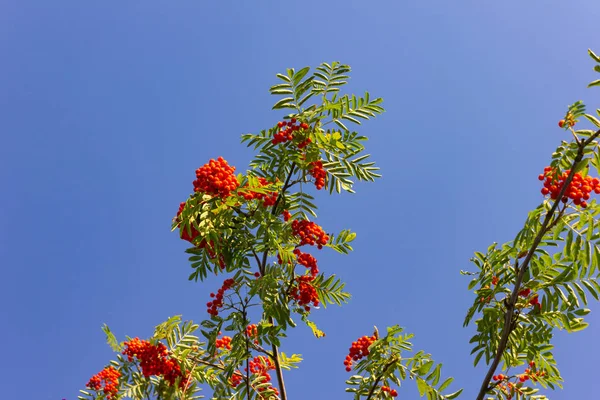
(386, 364)
(542, 280)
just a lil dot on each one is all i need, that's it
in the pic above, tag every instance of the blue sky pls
(107, 108)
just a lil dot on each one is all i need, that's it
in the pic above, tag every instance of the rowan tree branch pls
(262, 266)
(510, 305)
(389, 364)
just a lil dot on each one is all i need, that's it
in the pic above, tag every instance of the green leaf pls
(593, 119)
(111, 339)
(282, 91)
(425, 368)
(422, 386)
(340, 124)
(594, 83)
(445, 384)
(283, 78)
(454, 395)
(434, 377)
(593, 55)
(284, 103)
(581, 165)
(300, 74)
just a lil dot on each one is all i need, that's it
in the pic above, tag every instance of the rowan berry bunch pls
(214, 306)
(154, 360)
(236, 379)
(304, 143)
(216, 178)
(358, 350)
(569, 121)
(525, 292)
(318, 172)
(578, 190)
(308, 261)
(510, 388)
(268, 199)
(286, 215)
(223, 343)
(304, 292)
(252, 330)
(260, 366)
(110, 377)
(389, 391)
(185, 235)
(287, 130)
(309, 233)
(534, 301)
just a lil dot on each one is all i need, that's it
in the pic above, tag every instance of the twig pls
(389, 364)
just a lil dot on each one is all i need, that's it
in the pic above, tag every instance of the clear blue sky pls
(107, 108)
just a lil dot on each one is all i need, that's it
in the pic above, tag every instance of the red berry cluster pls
(358, 350)
(287, 131)
(388, 390)
(319, 173)
(309, 233)
(534, 301)
(185, 235)
(268, 199)
(223, 343)
(252, 330)
(569, 121)
(578, 190)
(499, 377)
(530, 373)
(236, 379)
(216, 178)
(495, 280)
(110, 376)
(304, 292)
(154, 360)
(260, 366)
(209, 247)
(213, 306)
(308, 261)
(304, 143)
(286, 215)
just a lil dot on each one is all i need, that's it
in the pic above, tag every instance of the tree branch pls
(389, 364)
(262, 266)
(510, 306)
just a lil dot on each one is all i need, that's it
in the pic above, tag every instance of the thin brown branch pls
(286, 185)
(510, 306)
(389, 364)
(262, 267)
